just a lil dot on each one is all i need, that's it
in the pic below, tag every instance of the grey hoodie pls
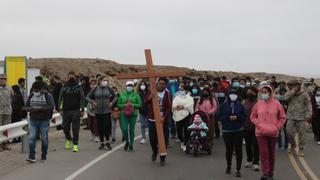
(102, 96)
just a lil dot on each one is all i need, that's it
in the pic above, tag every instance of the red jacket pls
(167, 105)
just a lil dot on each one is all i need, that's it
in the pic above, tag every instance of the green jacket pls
(134, 99)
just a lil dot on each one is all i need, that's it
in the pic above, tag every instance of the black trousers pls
(104, 126)
(252, 147)
(182, 130)
(233, 141)
(71, 118)
(153, 135)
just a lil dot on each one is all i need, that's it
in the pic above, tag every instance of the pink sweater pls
(268, 117)
(207, 107)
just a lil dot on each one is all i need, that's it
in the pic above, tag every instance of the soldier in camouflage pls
(5, 106)
(299, 111)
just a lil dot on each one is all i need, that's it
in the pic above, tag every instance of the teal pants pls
(128, 127)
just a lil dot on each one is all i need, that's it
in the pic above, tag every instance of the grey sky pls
(280, 36)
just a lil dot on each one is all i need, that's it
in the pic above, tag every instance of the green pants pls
(128, 127)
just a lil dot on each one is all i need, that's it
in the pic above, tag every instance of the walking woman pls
(101, 97)
(92, 121)
(252, 147)
(143, 112)
(129, 103)
(269, 117)
(232, 117)
(183, 108)
(208, 104)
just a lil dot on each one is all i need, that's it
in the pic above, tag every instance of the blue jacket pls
(173, 87)
(229, 108)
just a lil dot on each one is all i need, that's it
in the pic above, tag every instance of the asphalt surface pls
(137, 165)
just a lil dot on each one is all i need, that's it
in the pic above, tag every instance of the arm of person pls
(138, 103)
(289, 96)
(214, 107)
(121, 102)
(89, 97)
(308, 106)
(254, 115)
(281, 117)
(82, 100)
(61, 99)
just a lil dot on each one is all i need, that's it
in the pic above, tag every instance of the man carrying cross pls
(165, 104)
(151, 74)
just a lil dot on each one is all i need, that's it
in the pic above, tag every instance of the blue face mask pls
(194, 91)
(182, 93)
(265, 97)
(236, 84)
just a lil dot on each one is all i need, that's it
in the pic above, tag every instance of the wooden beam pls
(152, 75)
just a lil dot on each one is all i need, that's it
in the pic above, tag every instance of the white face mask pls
(104, 83)
(36, 93)
(233, 97)
(129, 88)
(143, 87)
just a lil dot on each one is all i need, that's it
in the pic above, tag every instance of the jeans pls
(34, 128)
(144, 125)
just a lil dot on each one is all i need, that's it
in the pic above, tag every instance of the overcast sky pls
(281, 36)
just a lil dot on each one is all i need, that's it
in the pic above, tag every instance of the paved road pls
(120, 165)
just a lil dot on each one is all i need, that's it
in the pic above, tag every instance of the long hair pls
(100, 78)
(202, 98)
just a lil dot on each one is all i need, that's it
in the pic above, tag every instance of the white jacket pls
(186, 101)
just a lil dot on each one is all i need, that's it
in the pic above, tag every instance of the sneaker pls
(96, 139)
(318, 143)
(248, 164)
(256, 167)
(238, 174)
(301, 152)
(177, 141)
(75, 148)
(228, 170)
(43, 159)
(270, 178)
(92, 138)
(184, 148)
(143, 141)
(264, 178)
(68, 144)
(31, 160)
(126, 146)
(108, 146)
(102, 146)
(181, 146)
(114, 141)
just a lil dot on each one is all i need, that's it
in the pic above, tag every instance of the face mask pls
(201, 88)
(129, 88)
(280, 97)
(251, 97)
(194, 91)
(248, 84)
(236, 84)
(182, 93)
(36, 93)
(265, 97)
(172, 81)
(242, 86)
(104, 83)
(318, 93)
(143, 87)
(233, 97)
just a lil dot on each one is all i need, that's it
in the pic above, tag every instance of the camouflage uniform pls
(299, 110)
(5, 105)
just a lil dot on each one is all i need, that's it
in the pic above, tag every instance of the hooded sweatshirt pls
(232, 108)
(268, 116)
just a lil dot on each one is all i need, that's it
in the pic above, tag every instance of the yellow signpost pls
(15, 67)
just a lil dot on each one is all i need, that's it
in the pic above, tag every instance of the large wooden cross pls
(151, 74)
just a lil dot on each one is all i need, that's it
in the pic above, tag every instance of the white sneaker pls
(181, 146)
(177, 141)
(96, 139)
(184, 148)
(318, 143)
(248, 165)
(143, 141)
(256, 167)
(92, 138)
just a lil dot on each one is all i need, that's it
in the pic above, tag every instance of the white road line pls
(95, 161)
